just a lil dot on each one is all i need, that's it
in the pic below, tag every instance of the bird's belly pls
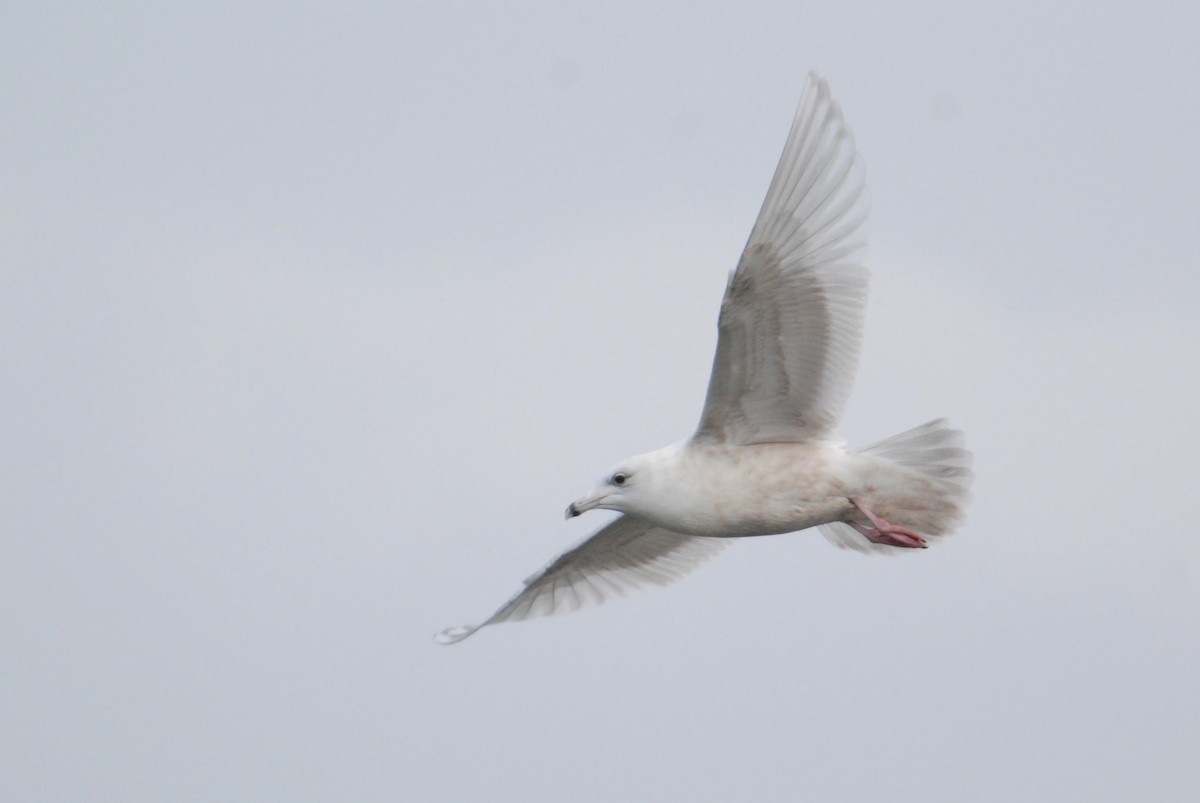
(761, 514)
(774, 516)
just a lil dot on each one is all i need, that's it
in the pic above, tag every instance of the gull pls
(763, 460)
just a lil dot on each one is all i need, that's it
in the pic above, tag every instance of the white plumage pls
(761, 461)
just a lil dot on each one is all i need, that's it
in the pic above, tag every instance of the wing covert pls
(791, 319)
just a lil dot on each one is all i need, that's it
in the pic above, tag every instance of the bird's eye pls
(620, 478)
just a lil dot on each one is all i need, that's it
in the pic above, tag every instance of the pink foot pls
(884, 532)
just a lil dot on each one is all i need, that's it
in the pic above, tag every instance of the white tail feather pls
(931, 497)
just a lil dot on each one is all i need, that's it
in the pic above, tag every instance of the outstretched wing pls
(791, 320)
(627, 554)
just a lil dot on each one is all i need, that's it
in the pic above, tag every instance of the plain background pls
(314, 318)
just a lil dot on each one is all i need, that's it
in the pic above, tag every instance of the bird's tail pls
(930, 497)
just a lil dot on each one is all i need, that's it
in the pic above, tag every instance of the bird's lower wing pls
(625, 555)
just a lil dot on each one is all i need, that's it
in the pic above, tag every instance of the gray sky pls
(315, 320)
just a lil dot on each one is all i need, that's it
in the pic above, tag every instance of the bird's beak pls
(581, 506)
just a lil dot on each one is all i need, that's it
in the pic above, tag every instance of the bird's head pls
(626, 488)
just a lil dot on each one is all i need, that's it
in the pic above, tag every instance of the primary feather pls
(791, 321)
(624, 555)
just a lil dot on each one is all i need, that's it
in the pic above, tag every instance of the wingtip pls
(453, 635)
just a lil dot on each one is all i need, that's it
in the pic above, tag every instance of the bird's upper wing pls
(791, 319)
(626, 554)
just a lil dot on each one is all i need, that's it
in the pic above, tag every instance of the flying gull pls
(763, 461)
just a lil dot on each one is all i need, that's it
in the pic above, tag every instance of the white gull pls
(762, 461)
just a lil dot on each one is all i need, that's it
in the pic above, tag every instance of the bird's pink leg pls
(884, 532)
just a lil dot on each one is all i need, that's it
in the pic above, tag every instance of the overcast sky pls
(314, 320)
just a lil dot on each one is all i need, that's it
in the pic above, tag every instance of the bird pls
(764, 459)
